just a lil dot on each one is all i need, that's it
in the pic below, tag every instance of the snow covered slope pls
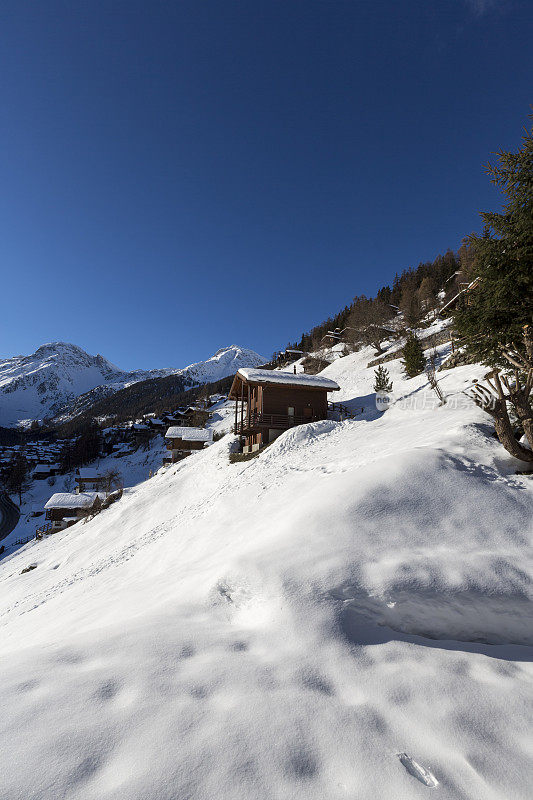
(42, 384)
(348, 615)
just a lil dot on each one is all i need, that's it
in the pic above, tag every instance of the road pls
(9, 515)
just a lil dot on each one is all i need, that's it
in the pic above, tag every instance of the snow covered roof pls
(287, 378)
(45, 467)
(88, 473)
(68, 500)
(189, 434)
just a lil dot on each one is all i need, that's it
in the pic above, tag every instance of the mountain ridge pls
(46, 382)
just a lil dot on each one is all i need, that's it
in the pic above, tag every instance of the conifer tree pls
(413, 357)
(502, 302)
(382, 381)
(497, 320)
(17, 478)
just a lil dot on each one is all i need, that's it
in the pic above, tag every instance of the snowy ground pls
(349, 615)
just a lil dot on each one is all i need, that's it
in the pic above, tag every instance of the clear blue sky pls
(178, 176)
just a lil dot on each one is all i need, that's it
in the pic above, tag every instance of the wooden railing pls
(342, 410)
(278, 421)
(43, 529)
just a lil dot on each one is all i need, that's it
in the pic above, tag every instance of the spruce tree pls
(502, 302)
(382, 382)
(413, 357)
(17, 477)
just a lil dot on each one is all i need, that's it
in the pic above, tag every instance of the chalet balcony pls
(256, 422)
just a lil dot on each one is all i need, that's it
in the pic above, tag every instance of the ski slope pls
(348, 615)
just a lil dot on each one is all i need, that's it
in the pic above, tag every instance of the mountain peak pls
(47, 382)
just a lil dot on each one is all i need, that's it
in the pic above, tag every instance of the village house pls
(43, 471)
(267, 402)
(155, 423)
(182, 441)
(192, 416)
(64, 509)
(88, 480)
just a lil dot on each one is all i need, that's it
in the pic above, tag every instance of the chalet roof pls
(88, 474)
(69, 500)
(45, 467)
(287, 378)
(190, 434)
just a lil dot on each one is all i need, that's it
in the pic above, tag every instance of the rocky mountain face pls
(49, 381)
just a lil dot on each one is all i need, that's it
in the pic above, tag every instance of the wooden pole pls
(242, 405)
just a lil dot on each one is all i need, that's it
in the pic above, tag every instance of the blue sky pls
(179, 176)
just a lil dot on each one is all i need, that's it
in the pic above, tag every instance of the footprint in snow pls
(417, 771)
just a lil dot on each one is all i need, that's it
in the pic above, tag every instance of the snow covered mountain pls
(45, 382)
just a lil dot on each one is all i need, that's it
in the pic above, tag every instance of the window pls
(290, 411)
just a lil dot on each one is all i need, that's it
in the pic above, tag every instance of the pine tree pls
(502, 302)
(413, 357)
(17, 476)
(382, 382)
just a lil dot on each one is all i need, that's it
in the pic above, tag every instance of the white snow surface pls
(70, 500)
(88, 473)
(41, 384)
(286, 627)
(189, 434)
(289, 378)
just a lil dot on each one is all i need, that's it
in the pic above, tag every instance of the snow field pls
(285, 627)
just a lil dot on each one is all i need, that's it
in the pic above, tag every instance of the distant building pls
(43, 471)
(156, 423)
(267, 402)
(88, 480)
(182, 441)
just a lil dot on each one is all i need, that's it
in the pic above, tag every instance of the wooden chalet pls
(183, 440)
(155, 423)
(64, 509)
(43, 471)
(267, 402)
(88, 480)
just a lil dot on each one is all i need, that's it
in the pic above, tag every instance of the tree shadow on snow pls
(363, 407)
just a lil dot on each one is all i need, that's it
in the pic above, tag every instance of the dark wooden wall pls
(277, 399)
(179, 444)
